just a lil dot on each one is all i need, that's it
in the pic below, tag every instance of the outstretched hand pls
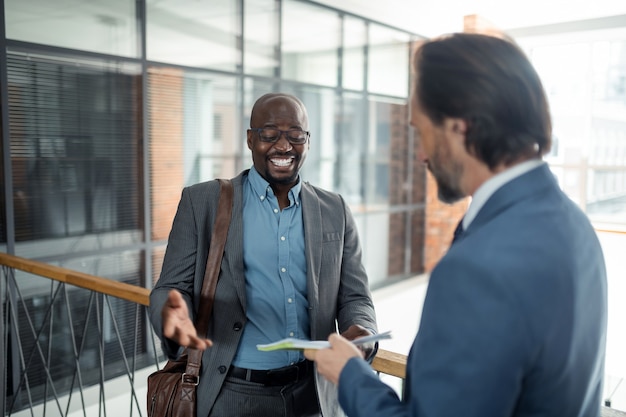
(330, 362)
(177, 324)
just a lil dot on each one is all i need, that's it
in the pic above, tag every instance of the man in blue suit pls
(514, 320)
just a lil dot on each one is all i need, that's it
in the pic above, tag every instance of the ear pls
(249, 134)
(455, 125)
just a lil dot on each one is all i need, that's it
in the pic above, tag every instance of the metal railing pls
(66, 335)
(83, 333)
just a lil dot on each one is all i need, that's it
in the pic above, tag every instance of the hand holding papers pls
(300, 344)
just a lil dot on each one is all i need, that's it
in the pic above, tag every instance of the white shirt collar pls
(490, 186)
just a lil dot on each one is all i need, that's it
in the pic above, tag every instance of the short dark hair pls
(490, 83)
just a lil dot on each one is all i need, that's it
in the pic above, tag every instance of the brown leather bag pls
(172, 390)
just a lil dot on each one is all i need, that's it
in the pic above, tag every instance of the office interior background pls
(110, 107)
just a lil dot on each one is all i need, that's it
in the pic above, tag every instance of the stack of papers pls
(301, 344)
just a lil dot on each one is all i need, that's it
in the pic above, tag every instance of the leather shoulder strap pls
(214, 260)
(211, 275)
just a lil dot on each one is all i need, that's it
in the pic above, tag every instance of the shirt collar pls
(262, 188)
(490, 186)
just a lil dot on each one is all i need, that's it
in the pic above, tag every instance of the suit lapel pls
(312, 218)
(234, 248)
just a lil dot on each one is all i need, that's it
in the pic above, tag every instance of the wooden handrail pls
(390, 363)
(386, 362)
(110, 287)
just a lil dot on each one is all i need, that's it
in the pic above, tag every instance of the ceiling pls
(435, 17)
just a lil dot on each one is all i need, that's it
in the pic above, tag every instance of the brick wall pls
(165, 100)
(406, 186)
(441, 220)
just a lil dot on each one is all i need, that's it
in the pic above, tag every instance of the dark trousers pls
(241, 398)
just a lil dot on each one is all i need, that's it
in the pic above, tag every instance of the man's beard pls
(447, 194)
(448, 190)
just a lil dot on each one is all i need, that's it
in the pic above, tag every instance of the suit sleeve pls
(178, 269)
(362, 393)
(467, 357)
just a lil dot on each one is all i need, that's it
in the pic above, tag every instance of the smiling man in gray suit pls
(514, 320)
(291, 268)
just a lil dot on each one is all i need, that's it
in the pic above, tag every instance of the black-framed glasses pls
(271, 135)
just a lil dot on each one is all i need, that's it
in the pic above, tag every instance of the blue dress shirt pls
(275, 269)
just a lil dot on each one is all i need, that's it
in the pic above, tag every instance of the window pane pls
(387, 124)
(192, 33)
(319, 168)
(351, 146)
(75, 146)
(310, 41)
(108, 27)
(253, 89)
(194, 136)
(388, 54)
(354, 40)
(261, 30)
(584, 76)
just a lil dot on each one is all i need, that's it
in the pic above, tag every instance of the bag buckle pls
(190, 379)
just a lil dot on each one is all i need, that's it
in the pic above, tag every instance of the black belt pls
(280, 376)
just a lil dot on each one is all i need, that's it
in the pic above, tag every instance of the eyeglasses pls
(271, 135)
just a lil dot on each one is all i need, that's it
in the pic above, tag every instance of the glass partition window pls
(387, 119)
(354, 43)
(194, 136)
(108, 27)
(261, 30)
(75, 146)
(319, 168)
(310, 44)
(190, 33)
(388, 54)
(584, 76)
(351, 148)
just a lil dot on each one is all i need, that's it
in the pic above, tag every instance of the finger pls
(336, 339)
(310, 354)
(175, 299)
(200, 344)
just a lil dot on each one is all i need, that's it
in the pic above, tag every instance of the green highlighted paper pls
(300, 344)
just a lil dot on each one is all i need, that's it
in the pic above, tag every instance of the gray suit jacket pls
(337, 285)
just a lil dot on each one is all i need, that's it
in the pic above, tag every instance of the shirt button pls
(290, 334)
(262, 197)
(289, 300)
(282, 238)
(283, 269)
(275, 210)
